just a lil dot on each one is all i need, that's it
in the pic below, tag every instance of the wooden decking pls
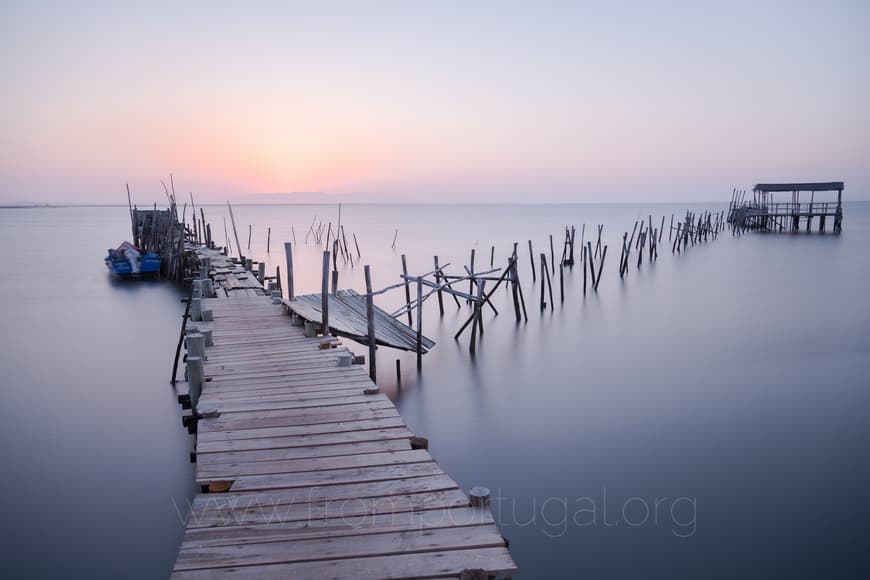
(321, 479)
(347, 317)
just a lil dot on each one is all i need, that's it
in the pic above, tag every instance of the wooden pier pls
(767, 213)
(306, 470)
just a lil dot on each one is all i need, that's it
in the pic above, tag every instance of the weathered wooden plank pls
(399, 566)
(308, 550)
(424, 466)
(345, 526)
(301, 441)
(410, 486)
(209, 425)
(236, 471)
(243, 514)
(303, 452)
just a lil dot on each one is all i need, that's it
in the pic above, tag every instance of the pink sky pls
(441, 101)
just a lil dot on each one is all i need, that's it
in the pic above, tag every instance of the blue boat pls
(127, 261)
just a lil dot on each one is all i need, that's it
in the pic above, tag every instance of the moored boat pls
(127, 261)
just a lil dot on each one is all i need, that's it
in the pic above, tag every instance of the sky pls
(446, 101)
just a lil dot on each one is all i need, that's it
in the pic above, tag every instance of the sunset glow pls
(431, 101)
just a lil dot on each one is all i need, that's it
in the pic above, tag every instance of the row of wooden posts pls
(643, 240)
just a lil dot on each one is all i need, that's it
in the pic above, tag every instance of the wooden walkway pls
(319, 479)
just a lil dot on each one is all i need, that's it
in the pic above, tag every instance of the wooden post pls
(438, 281)
(419, 323)
(398, 370)
(600, 268)
(249, 237)
(471, 280)
(370, 323)
(235, 233)
(543, 280)
(561, 283)
(288, 251)
(546, 272)
(571, 247)
(268, 240)
(478, 309)
(324, 296)
(491, 256)
(195, 344)
(583, 264)
(261, 272)
(407, 288)
(358, 255)
(195, 378)
(512, 264)
(196, 309)
(334, 282)
(591, 259)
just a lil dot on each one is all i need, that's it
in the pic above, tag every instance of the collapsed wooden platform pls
(321, 478)
(347, 317)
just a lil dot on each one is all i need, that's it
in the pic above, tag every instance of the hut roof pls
(819, 186)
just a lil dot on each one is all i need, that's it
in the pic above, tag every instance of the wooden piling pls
(370, 323)
(512, 264)
(471, 280)
(407, 288)
(324, 296)
(438, 281)
(419, 344)
(600, 268)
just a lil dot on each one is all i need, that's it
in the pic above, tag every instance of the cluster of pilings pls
(697, 228)
(159, 231)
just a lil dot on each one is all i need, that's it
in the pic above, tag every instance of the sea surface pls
(706, 416)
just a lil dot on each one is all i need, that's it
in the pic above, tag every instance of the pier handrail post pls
(261, 272)
(370, 323)
(324, 295)
(288, 251)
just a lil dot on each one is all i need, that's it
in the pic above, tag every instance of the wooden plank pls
(302, 452)
(223, 445)
(232, 471)
(309, 550)
(425, 466)
(243, 513)
(399, 566)
(210, 425)
(335, 527)
(411, 486)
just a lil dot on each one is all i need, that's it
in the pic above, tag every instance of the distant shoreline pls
(405, 203)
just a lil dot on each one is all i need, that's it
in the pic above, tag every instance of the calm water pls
(705, 417)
